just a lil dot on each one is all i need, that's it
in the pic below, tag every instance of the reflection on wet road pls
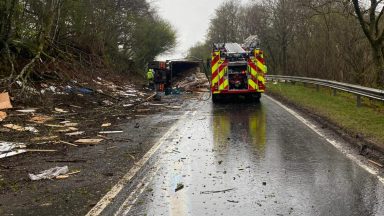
(250, 159)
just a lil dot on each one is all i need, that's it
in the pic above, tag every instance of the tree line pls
(330, 39)
(38, 36)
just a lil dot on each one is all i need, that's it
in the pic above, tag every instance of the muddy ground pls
(119, 105)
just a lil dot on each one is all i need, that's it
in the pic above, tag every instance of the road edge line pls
(116, 189)
(336, 144)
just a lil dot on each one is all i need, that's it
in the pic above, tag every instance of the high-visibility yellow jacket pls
(150, 75)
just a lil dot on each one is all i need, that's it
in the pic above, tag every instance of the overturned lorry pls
(237, 69)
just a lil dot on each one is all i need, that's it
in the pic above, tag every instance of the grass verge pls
(341, 110)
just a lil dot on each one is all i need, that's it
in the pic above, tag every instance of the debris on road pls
(40, 119)
(179, 187)
(60, 110)
(67, 175)
(106, 125)
(32, 110)
(89, 141)
(20, 128)
(110, 132)
(3, 115)
(44, 138)
(77, 133)
(218, 191)
(264, 183)
(12, 153)
(5, 102)
(50, 173)
(67, 143)
(9, 146)
(233, 201)
(66, 130)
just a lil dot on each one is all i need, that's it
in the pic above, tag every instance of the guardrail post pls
(317, 88)
(358, 100)
(334, 92)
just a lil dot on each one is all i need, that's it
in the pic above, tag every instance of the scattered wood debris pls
(60, 110)
(20, 128)
(31, 110)
(106, 125)
(40, 119)
(45, 138)
(110, 132)
(77, 133)
(89, 141)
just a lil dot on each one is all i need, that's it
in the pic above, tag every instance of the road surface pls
(247, 159)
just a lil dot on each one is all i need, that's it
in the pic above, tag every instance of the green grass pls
(341, 110)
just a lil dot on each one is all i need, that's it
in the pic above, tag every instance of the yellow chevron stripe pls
(222, 72)
(215, 67)
(262, 67)
(253, 72)
(261, 79)
(224, 85)
(215, 80)
(252, 83)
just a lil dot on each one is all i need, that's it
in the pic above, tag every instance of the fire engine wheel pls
(256, 97)
(215, 98)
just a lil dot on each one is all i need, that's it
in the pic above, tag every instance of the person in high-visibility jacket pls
(151, 78)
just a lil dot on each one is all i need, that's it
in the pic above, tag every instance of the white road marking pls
(142, 185)
(134, 196)
(337, 145)
(108, 198)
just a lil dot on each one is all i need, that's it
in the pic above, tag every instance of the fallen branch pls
(218, 191)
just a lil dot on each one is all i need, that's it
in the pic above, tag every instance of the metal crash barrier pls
(359, 91)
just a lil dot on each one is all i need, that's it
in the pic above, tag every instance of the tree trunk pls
(379, 64)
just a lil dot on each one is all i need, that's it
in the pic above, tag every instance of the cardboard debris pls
(106, 125)
(40, 119)
(77, 133)
(110, 132)
(5, 102)
(20, 128)
(60, 110)
(3, 115)
(89, 141)
(50, 173)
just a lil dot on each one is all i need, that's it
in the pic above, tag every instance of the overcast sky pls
(190, 18)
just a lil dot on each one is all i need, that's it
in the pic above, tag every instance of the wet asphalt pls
(248, 159)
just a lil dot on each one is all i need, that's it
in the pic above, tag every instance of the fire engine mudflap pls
(237, 70)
